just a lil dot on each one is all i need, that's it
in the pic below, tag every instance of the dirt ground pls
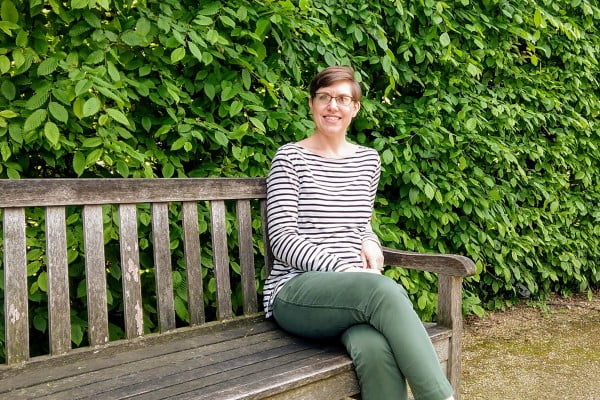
(549, 351)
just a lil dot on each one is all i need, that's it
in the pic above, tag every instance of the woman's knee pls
(366, 345)
(387, 290)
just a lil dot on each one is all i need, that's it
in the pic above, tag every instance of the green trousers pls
(375, 319)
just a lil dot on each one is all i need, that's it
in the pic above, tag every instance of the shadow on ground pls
(550, 352)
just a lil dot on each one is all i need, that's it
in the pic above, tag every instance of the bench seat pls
(246, 358)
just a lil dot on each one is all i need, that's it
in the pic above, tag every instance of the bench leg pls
(450, 315)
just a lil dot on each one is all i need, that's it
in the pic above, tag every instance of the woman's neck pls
(332, 147)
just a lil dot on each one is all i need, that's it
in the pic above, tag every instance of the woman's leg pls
(378, 374)
(325, 304)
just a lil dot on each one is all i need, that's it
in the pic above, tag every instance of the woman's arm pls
(371, 253)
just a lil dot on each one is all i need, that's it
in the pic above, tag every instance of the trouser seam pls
(333, 307)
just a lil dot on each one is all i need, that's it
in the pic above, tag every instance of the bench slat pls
(220, 258)
(244, 220)
(45, 192)
(99, 380)
(162, 266)
(59, 314)
(191, 246)
(130, 271)
(95, 272)
(15, 286)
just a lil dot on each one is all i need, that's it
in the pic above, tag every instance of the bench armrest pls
(445, 264)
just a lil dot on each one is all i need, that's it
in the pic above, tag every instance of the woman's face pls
(330, 115)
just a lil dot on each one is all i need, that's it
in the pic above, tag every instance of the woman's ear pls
(356, 106)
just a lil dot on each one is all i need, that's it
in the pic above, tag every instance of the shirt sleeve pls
(287, 244)
(367, 233)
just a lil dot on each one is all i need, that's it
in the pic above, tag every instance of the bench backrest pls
(58, 197)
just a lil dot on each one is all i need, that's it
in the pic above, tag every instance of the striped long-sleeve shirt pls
(318, 212)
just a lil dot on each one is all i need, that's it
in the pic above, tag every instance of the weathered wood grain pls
(53, 192)
(162, 266)
(130, 271)
(220, 258)
(448, 264)
(95, 271)
(15, 286)
(59, 311)
(246, 251)
(191, 241)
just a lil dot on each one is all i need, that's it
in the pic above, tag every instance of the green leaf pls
(92, 142)
(42, 281)
(429, 191)
(471, 124)
(168, 170)
(133, 38)
(235, 108)
(195, 50)
(113, 72)
(5, 151)
(210, 8)
(79, 3)
(83, 86)
(246, 79)
(47, 66)
(258, 124)
(262, 27)
(537, 18)
(212, 36)
(93, 156)
(209, 90)
(40, 323)
(227, 21)
(203, 20)
(444, 39)
(13, 173)
(221, 139)
(37, 100)
(34, 120)
(78, 163)
(177, 54)
(143, 26)
(76, 333)
(117, 116)
(58, 112)
(8, 114)
(387, 156)
(52, 133)
(8, 12)
(122, 169)
(8, 27)
(228, 92)
(473, 70)
(4, 64)
(91, 106)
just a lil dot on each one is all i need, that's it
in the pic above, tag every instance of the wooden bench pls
(225, 357)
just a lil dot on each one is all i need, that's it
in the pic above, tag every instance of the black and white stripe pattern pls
(318, 212)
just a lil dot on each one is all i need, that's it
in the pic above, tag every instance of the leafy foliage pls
(484, 112)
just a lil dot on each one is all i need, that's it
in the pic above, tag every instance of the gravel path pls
(529, 353)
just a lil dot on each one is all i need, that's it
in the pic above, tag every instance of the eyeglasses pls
(324, 98)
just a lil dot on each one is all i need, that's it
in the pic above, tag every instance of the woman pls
(328, 261)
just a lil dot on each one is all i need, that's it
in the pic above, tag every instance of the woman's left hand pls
(371, 255)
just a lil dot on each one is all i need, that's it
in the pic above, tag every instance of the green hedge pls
(485, 114)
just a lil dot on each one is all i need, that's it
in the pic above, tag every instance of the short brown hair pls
(331, 75)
